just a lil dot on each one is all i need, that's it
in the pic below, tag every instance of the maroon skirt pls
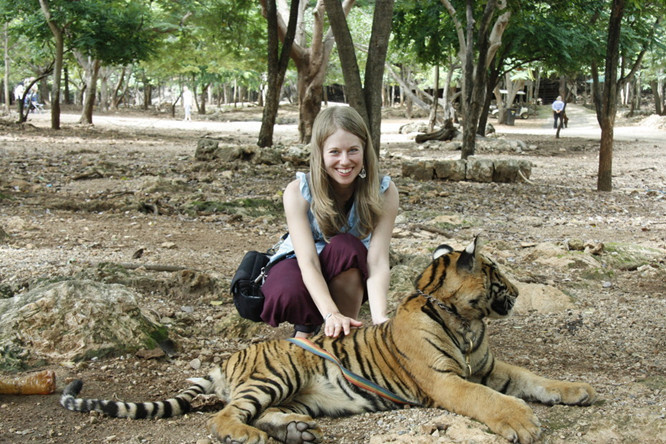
(286, 299)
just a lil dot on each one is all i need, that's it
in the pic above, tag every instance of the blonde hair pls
(331, 216)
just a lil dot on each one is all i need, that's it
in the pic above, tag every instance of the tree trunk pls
(367, 98)
(345, 46)
(204, 96)
(474, 76)
(66, 93)
(311, 64)
(91, 69)
(432, 119)
(147, 92)
(115, 97)
(7, 92)
(657, 97)
(277, 67)
(374, 70)
(57, 68)
(609, 100)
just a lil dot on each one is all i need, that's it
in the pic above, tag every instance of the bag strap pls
(353, 378)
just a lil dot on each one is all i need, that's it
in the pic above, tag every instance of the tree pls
(57, 29)
(475, 56)
(311, 62)
(366, 99)
(606, 102)
(277, 67)
(108, 32)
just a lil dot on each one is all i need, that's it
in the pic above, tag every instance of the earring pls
(362, 174)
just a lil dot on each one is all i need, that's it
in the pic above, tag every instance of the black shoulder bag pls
(247, 281)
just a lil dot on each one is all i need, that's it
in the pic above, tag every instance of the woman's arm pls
(296, 211)
(379, 274)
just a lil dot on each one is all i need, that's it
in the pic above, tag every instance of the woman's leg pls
(347, 290)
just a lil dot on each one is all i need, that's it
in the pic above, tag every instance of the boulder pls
(450, 169)
(509, 170)
(76, 320)
(479, 170)
(540, 298)
(418, 170)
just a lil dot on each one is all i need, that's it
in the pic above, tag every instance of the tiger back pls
(434, 353)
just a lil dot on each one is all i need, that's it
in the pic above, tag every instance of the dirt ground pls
(129, 190)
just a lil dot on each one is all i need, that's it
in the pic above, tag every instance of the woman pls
(340, 218)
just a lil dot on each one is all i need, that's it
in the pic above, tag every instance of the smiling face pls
(343, 159)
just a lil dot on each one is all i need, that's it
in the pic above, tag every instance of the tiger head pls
(467, 283)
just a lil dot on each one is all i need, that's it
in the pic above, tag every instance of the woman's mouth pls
(345, 171)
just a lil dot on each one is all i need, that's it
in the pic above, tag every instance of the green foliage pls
(209, 41)
(424, 28)
(116, 31)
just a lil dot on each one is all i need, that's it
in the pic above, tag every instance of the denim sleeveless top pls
(352, 222)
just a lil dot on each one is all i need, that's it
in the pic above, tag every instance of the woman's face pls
(343, 158)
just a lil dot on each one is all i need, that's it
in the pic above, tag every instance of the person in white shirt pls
(558, 111)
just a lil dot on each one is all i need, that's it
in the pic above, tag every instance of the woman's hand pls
(336, 323)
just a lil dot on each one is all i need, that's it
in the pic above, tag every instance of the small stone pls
(195, 363)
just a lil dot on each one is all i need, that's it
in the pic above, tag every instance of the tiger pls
(432, 353)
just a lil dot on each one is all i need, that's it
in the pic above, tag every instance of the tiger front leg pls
(522, 383)
(506, 416)
(289, 427)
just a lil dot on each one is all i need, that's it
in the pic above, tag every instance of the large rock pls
(479, 170)
(74, 320)
(540, 298)
(450, 169)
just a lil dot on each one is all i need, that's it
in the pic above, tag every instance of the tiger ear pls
(441, 251)
(467, 260)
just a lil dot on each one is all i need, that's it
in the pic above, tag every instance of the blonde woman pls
(340, 218)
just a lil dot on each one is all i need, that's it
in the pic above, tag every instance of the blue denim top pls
(352, 223)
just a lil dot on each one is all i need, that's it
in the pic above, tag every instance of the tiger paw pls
(578, 393)
(236, 433)
(290, 428)
(570, 393)
(516, 422)
(299, 432)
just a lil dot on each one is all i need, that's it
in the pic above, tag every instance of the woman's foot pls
(305, 331)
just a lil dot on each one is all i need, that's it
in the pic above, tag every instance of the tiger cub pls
(433, 353)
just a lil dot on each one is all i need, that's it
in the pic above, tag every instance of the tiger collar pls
(469, 342)
(444, 307)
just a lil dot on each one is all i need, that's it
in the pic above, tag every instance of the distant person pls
(558, 111)
(18, 92)
(188, 98)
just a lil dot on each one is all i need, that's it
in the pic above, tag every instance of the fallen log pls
(40, 383)
(447, 132)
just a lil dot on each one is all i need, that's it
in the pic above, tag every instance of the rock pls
(418, 170)
(542, 298)
(267, 156)
(479, 170)
(413, 127)
(76, 319)
(508, 170)
(450, 169)
(195, 363)
(206, 149)
(297, 155)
